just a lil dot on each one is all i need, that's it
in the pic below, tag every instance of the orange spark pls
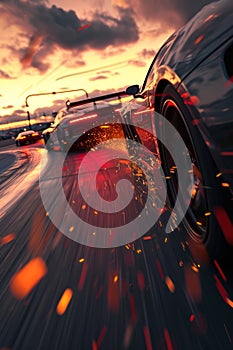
(199, 39)
(115, 278)
(7, 239)
(64, 301)
(229, 302)
(170, 284)
(28, 277)
(147, 238)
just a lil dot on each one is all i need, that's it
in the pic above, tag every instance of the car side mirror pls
(132, 90)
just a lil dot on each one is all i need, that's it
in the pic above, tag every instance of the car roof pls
(28, 132)
(200, 36)
(85, 109)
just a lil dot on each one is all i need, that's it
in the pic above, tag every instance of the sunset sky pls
(65, 44)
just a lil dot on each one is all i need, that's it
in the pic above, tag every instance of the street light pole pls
(29, 119)
(46, 93)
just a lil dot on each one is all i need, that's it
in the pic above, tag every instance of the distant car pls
(4, 135)
(190, 83)
(74, 128)
(26, 137)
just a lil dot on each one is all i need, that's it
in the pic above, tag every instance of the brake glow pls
(104, 126)
(83, 118)
(35, 134)
(22, 137)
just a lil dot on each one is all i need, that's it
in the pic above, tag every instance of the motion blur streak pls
(77, 297)
(225, 224)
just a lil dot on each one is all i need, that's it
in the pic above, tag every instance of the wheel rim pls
(196, 217)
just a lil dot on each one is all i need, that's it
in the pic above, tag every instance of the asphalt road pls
(160, 292)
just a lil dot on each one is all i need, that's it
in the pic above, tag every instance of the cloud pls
(147, 54)
(20, 112)
(32, 49)
(169, 13)
(137, 63)
(8, 107)
(4, 75)
(99, 77)
(111, 51)
(53, 27)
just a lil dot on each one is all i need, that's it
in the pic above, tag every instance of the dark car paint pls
(192, 60)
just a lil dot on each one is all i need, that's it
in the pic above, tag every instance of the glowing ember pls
(64, 301)
(170, 284)
(115, 279)
(28, 277)
(199, 39)
(7, 239)
(192, 318)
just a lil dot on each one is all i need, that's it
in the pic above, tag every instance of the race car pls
(27, 137)
(83, 124)
(190, 84)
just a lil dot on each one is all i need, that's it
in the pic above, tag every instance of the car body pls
(27, 137)
(190, 83)
(82, 123)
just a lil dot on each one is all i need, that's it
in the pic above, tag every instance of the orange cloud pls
(32, 49)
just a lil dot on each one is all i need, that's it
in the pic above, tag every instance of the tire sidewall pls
(215, 241)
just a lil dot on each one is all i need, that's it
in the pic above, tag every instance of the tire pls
(207, 194)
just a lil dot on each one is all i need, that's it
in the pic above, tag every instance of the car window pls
(228, 60)
(158, 57)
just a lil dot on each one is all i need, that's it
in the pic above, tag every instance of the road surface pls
(159, 292)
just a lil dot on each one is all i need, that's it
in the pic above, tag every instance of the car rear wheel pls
(199, 222)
